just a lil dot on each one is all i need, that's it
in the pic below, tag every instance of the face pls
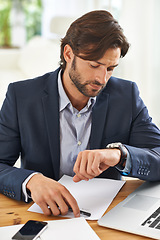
(90, 77)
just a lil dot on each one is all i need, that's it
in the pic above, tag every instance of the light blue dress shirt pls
(75, 129)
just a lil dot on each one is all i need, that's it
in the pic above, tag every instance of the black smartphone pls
(31, 230)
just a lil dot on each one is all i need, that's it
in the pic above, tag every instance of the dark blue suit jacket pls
(29, 126)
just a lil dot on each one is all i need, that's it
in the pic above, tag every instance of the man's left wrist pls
(121, 164)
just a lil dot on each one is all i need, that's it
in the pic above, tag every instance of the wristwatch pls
(121, 147)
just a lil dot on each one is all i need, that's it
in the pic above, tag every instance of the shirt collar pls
(64, 100)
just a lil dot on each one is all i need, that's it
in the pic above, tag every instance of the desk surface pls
(14, 212)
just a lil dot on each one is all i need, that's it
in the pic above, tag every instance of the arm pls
(11, 177)
(143, 144)
(44, 191)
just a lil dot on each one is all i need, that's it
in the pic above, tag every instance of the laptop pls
(139, 213)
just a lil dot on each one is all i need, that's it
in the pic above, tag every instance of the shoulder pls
(39, 80)
(115, 83)
(35, 85)
(119, 86)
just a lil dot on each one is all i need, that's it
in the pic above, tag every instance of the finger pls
(71, 201)
(96, 165)
(83, 164)
(88, 174)
(77, 163)
(86, 158)
(103, 166)
(90, 169)
(78, 177)
(62, 205)
(45, 209)
(77, 167)
(54, 208)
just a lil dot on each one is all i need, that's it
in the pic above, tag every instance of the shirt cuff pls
(24, 190)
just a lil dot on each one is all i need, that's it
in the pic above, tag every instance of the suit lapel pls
(51, 110)
(99, 113)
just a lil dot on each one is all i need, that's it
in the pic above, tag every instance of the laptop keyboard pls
(153, 221)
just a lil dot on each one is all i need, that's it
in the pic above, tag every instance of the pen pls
(81, 212)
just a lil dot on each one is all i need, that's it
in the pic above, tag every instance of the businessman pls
(77, 120)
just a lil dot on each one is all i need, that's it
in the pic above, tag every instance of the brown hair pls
(92, 34)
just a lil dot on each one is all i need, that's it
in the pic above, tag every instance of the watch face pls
(114, 145)
(117, 144)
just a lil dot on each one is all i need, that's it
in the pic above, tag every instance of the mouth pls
(96, 87)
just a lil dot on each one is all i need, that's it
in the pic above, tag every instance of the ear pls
(68, 53)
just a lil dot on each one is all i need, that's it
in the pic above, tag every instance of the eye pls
(94, 66)
(110, 69)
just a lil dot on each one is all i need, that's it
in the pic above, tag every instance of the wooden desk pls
(14, 212)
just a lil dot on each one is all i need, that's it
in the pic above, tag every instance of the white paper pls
(93, 196)
(68, 229)
(7, 233)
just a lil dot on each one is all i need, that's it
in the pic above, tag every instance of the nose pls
(101, 75)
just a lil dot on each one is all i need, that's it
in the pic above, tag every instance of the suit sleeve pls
(11, 178)
(144, 142)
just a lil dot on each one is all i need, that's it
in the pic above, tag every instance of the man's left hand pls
(91, 163)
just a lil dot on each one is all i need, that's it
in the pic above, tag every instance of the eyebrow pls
(100, 63)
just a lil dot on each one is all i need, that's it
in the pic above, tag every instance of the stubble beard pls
(76, 79)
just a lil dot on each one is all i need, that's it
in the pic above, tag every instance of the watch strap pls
(121, 164)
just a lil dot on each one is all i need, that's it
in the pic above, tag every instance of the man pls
(77, 120)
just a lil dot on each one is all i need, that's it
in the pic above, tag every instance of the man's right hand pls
(47, 192)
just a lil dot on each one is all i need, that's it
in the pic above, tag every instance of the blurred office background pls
(30, 33)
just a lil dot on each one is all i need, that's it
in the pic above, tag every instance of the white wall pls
(140, 20)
